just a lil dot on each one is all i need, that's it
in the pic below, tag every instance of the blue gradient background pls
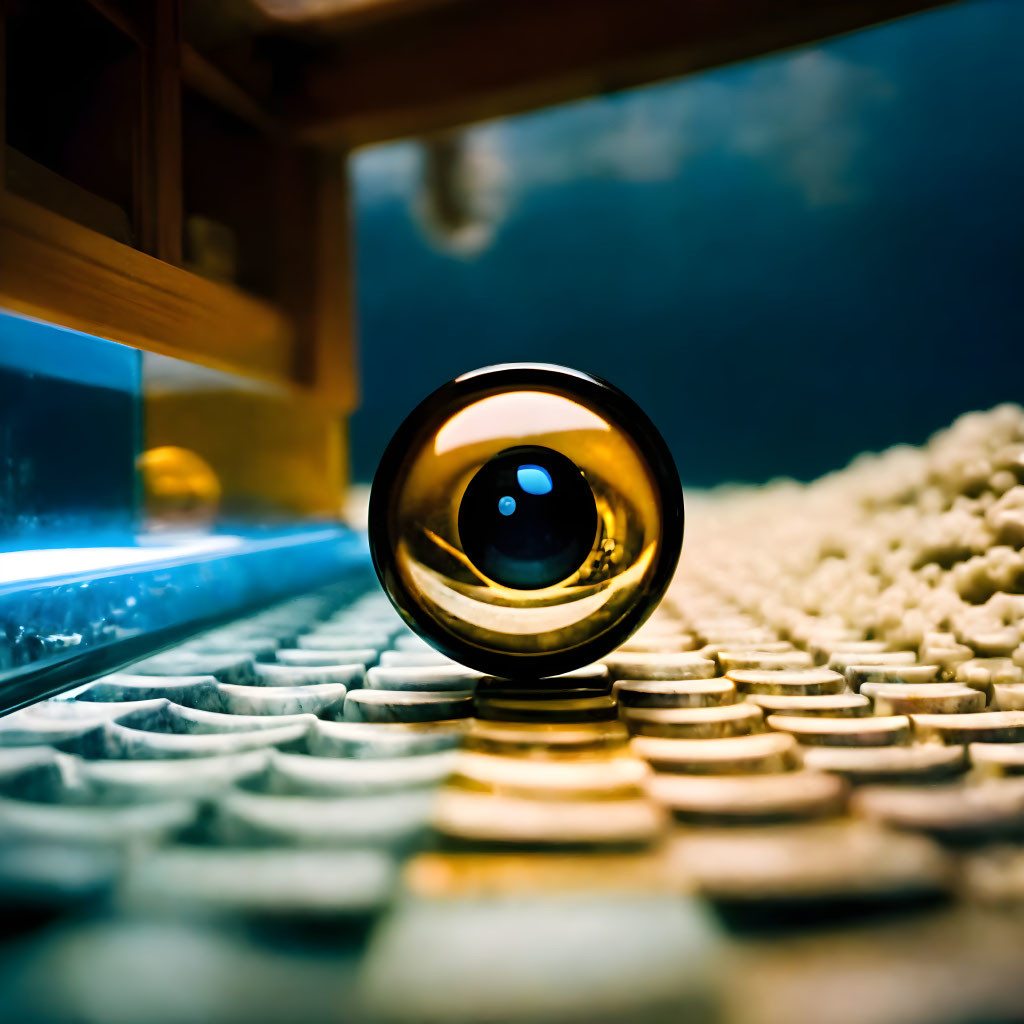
(786, 262)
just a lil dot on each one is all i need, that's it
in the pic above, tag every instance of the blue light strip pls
(64, 630)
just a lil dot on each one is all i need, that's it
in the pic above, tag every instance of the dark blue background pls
(786, 262)
(69, 434)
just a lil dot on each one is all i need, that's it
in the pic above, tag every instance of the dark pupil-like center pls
(528, 518)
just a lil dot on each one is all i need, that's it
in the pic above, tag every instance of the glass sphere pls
(526, 519)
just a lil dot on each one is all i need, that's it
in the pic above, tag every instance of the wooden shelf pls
(60, 271)
(78, 252)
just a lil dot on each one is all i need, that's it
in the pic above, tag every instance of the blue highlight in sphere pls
(528, 518)
(533, 480)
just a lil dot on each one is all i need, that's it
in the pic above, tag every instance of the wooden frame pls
(58, 270)
(464, 60)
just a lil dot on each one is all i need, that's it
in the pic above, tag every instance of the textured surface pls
(713, 825)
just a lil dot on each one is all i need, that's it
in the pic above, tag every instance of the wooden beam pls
(314, 248)
(469, 61)
(157, 161)
(335, 372)
(163, 93)
(60, 271)
(208, 80)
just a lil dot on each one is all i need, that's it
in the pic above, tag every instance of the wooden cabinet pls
(146, 199)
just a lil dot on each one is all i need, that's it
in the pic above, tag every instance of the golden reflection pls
(514, 416)
(180, 488)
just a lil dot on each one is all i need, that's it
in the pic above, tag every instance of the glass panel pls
(142, 497)
(69, 435)
(234, 450)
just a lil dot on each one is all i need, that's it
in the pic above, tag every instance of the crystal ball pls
(525, 519)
